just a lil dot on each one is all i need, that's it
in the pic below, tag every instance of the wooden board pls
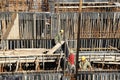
(73, 7)
(58, 45)
(108, 63)
(23, 52)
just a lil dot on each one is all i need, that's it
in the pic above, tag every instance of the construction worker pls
(84, 64)
(58, 38)
(71, 62)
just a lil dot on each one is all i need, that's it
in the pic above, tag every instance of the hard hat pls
(62, 31)
(83, 58)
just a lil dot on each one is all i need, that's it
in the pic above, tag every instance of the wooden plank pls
(58, 45)
(11, 55)
(82, 2)
(24, 61)
(73, 7)
(25, 53)
(108, 62)
(102, 58)
(95, 49)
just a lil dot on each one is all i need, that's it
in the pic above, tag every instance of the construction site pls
(91, 29)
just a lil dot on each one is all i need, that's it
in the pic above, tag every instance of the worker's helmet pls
(62, 31)
(83, 58)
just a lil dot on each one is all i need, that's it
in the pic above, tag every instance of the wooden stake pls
(80, 5)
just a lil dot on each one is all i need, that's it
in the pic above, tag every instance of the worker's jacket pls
(85, 65)
(71, 59)
(58, 38)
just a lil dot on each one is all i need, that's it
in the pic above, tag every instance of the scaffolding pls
(58, 6)
(28, 27)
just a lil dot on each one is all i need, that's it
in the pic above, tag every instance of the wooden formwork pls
(23, 5)
(27, 56)
(86, 6)
(43, 6)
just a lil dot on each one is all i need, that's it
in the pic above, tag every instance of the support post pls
(17, 66)
(78, 45)
(37, 66)
(34, 16)
(80, 5)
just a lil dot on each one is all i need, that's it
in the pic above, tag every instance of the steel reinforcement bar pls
(31, 76)
(98, 75)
